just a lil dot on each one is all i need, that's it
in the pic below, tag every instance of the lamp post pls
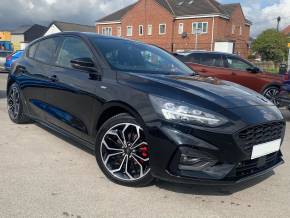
(289, 57)
(278, 23)
(197, 32)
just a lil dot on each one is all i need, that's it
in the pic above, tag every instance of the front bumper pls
(232, 163)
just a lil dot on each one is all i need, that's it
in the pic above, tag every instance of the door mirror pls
(85, 64)
(254, 70)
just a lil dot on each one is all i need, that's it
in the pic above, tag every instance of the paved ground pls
(45, 175)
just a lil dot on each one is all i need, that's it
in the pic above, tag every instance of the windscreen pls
(125, 55)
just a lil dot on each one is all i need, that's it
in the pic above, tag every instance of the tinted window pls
(193, 58)
(46, 50)
(72, 48)
(237, 63)
(138, 57)
(32, 49)
(213, 60)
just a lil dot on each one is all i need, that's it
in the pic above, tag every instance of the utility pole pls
(197, 32)
(278, 23)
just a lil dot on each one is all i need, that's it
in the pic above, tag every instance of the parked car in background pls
(6, 48)
(145, 113)
(10, 59)
(235, 69)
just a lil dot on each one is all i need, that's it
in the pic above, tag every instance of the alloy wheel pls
(271, 94)
(125, 153)
(13, 102)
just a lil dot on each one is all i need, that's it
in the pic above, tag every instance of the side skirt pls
(66, 134)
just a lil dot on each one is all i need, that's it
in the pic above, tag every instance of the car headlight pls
(179, 111)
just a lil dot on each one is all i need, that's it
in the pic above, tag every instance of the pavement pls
(43, 174)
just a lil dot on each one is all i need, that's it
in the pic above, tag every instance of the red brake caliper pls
(144, 151)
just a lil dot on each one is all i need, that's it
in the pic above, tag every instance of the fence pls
(267, 66)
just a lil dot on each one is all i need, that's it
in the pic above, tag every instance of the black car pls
(145, 113)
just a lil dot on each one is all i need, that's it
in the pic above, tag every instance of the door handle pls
(203, 70)
(234, 74)
(54, 78)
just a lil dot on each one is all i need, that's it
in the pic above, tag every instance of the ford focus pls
(144, 113)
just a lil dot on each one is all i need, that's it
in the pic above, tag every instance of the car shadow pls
(67, 139)
(211, 190)
(214, 190)
(2, 94)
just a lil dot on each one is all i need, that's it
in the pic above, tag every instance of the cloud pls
(264, 14)
(13, 13)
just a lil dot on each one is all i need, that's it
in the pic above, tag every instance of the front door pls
(241, 74)
(72, 95)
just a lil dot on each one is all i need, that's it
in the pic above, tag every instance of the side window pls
(31, 50)
(46, 50)
(217, 60)
(212, 60)
(72, 48)
(193, 58)
(206, 59)
(236, 63)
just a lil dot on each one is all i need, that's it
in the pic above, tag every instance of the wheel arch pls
(113, 108)
(9, 84)
(273, 84)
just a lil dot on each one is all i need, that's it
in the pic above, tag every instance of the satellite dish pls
(184, 35)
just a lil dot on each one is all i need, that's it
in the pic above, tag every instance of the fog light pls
(189, 160)
(194, 160)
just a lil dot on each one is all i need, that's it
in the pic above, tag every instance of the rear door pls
(34, 72)
(72, 93)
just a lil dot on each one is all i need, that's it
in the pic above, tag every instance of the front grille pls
(250, 167)
(260, 134)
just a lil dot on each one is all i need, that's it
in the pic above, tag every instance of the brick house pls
(181, 25)
(286, 31)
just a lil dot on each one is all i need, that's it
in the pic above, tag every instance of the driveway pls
(45, 175)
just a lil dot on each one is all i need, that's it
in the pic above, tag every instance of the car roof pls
(85, 35)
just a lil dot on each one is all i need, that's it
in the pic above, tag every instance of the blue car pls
(10, 59)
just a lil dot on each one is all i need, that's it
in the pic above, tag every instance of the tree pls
(272, 46)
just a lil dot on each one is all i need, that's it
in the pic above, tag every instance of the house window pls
(149, 30)
(141, 30)
(107, 31)
(129, 31)
(201, 27)
(233, 29)
(119, 31)
(162, 29)
(180, 28)
(241, 30)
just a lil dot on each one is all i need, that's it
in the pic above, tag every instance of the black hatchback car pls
(145, 113)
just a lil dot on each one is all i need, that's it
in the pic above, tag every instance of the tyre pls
(271, 93)
(15, 105)
(122, 151)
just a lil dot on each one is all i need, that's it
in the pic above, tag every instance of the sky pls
(13, 13)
